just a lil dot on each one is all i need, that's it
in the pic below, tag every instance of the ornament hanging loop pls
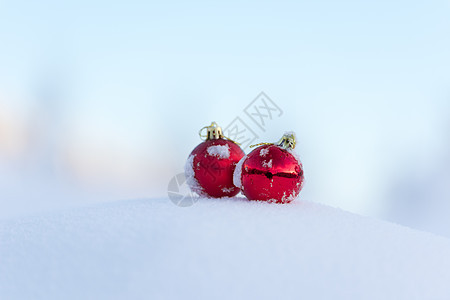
(202, 136)
(260, 144)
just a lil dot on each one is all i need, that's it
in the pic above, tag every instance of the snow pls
(221, 151)
(263, 152)
(290, 133)
(267, 164)
(218, 249)
(227, 190)
(190, 176)
(237, 174)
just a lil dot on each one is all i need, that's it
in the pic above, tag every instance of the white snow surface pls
(221, 151)
(218, 249)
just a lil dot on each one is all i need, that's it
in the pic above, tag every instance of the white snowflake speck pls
(267, 164)
(264, 152)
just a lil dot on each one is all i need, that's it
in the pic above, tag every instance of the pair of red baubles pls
(219, 168)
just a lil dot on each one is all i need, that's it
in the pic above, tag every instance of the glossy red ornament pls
(270, 173)
(210, 166)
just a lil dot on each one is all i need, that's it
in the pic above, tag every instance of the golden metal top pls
(213, 132)
(287, 141)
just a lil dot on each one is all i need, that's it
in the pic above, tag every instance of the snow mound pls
(221, 151)
(218, 249)
(190, 177)
(237, 174)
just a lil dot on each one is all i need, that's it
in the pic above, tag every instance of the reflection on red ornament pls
(270, 173)
(210, 166)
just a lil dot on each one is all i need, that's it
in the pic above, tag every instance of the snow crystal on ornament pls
(238, 172)
(190, 177)
(267, 164)
(228, 190)
(289, 198)
(221, 151)
(264, 152)
(290, 133)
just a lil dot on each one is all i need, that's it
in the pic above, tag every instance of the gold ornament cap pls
(287, 141)
(213, 132)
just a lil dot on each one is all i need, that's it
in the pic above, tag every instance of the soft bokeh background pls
(103, 100)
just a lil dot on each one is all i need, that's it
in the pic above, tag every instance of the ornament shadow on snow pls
(179, 192)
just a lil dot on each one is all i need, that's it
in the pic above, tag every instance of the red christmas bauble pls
(270, 173)
(210, 166)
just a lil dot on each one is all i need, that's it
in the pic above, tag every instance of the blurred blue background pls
(103, 100)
